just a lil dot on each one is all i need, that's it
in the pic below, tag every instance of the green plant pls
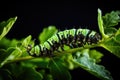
(16, 64)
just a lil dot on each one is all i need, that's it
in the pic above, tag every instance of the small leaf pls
(47, 33)
(68, 61)
(23, 45)
(58, 70)
(94, 54)
(26, 41)
(110, 31)
(111, 19)
(84, 61)
(6, 25)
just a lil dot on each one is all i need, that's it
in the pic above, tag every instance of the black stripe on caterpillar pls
(73, 38)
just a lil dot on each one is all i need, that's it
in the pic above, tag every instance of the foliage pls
(16, 64)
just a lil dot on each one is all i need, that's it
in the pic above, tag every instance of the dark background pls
(33, 16)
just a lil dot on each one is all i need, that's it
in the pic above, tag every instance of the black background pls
(33, 16)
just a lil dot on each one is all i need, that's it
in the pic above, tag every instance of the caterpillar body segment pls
(72, 38)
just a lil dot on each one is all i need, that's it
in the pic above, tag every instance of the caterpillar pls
(73, 38)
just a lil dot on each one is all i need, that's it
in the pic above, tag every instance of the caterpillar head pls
(29, 47)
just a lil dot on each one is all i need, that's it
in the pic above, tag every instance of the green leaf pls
(94, 54)
(112, 44)
(40, 62)
(30, 74)
(4, 54)
(47, 33)
(23, 45)
(15, 52)
(5, 43)
(11, 55)
(111, 19)
(110, 31)
(27, 41)
(58, 70)
(117, 38)
(5, 26)
(21, 72)
(84, 61)
(68, 61)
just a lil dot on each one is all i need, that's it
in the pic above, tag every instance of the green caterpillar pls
(72, 38)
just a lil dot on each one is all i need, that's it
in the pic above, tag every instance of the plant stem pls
(100, 24)
(76, 49)
(56, 53)
(19, 59)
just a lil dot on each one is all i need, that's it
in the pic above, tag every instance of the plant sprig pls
(85, 57)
